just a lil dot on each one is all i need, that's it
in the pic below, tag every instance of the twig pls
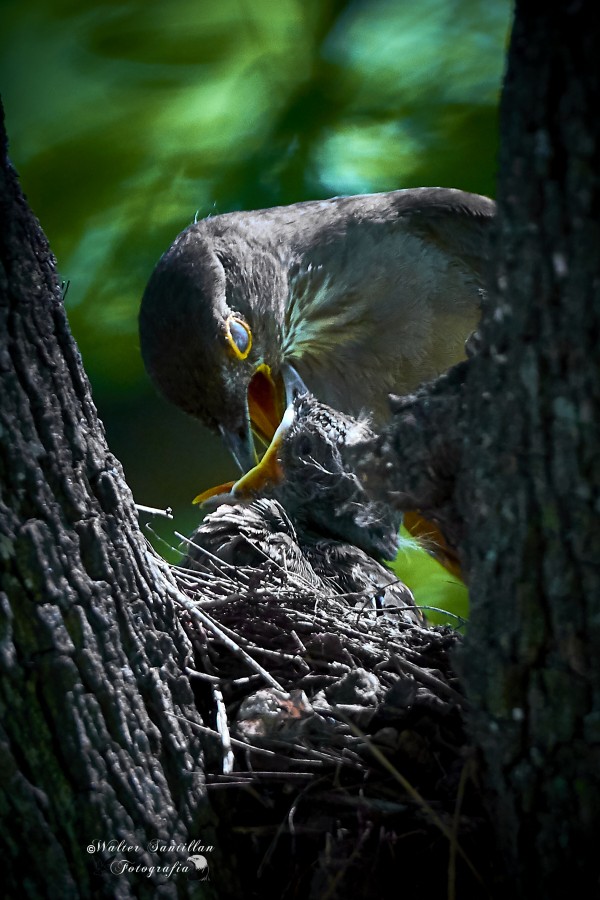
(223, 729)
(220, 563)
(427, 678)
(151, 510)
(181, 600)
(414, 794)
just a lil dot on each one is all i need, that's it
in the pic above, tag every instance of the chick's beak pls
(268, 472)
(269, 414)
(431, 538)
(266, 402)
(263, 409)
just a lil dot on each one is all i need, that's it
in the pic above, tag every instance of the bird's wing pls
(457, 223)
(387, 297)
(350, 571)
(252, 535)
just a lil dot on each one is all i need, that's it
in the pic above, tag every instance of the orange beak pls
(266, 402)
(266, 474)
(213, 492)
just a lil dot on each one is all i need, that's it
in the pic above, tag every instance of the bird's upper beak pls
(241, 445)
(269, 415)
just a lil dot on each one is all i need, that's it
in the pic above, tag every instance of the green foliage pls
(129, 119)
(444, 598)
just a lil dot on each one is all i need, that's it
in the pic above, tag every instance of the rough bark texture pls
(531, 480)
(91, 654)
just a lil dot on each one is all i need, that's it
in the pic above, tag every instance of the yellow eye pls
(238, 336)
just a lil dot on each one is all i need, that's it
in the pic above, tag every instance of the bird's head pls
(207, 349)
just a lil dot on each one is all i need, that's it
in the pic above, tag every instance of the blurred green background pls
(128, 119)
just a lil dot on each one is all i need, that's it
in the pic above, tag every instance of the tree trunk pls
(531, 477)
(97, 741)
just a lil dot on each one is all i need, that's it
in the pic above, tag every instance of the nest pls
(336, 755)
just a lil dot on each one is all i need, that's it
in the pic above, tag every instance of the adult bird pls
(360, 296)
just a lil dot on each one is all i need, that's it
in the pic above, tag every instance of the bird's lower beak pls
(269, 415)
(268, 472)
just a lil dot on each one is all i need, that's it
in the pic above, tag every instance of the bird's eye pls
(238, 336)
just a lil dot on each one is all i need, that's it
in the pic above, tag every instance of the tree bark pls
(97, 740)
(531, 476)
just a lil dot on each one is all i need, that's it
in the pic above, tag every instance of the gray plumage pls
(253, 535)
(320, 489)
(317, 523)
(362, 295)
